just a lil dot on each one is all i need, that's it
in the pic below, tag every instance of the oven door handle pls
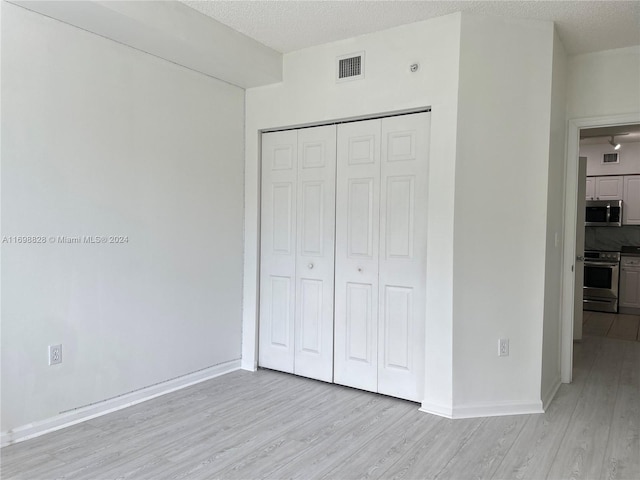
(599, 264)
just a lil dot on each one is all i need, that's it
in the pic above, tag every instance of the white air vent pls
(610, 158)
(350, 67)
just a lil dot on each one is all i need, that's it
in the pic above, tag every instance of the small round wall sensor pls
(414, 67)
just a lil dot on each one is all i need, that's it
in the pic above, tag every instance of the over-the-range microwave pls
(603, 213)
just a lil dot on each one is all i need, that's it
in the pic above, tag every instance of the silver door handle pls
(580, 258)
(310, 266)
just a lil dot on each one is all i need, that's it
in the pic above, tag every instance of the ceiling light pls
(616, 146)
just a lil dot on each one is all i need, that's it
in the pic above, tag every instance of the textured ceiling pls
(286, 26)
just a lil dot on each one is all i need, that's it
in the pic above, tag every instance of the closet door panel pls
(278, 250)
(403, 237)
(315, 252)
(397, 323)
(357, 226)
(358, 323)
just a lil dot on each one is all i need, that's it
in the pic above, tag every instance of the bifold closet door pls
(381, 255)
(402, 257)
(297, 251)
(357, 227)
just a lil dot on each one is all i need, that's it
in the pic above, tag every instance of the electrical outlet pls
(503, 347)
(55, 354)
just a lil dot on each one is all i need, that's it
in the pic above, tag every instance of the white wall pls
(501, 183)
(310, 94)
(101, 139)
(604, 83)
(555, 226)
(629, 156)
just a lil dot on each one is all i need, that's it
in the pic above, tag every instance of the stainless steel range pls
(601, 272)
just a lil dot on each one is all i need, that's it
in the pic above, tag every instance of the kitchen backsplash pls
(610, 239)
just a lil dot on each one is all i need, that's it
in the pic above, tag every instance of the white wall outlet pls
(55, 354)
(503, 347)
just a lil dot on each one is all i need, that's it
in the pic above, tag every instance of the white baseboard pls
(550, 395)
(441, 410)
(497, 409)
(483, 410)
(249, 366)
(83, 414)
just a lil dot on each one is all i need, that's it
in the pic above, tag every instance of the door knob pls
(310, 266)
(580, 258)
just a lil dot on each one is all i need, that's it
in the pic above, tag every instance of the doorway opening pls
(610, 126)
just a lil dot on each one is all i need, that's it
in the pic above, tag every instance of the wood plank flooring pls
(273, 425)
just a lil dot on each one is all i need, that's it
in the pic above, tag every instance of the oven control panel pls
(594, 256)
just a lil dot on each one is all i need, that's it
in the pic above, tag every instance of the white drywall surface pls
(501, 180)
(101, 139)
(172, 31)
(604, 83)
(628, 158)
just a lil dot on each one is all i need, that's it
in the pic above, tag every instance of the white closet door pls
(315, 257)
(278, 250)
(356, 277)
(403, 240)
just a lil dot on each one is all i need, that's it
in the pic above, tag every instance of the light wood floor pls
(273, 425)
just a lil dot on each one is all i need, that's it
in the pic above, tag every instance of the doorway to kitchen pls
(573, 257)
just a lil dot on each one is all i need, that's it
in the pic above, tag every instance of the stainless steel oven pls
(601, 272)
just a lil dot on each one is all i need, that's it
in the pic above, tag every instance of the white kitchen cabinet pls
(631, 200)
(609, 188)
(629, 297)
(591, 188)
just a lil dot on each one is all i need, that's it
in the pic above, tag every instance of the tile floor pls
(611, 325)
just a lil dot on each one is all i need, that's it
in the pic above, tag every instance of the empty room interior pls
(320, 239)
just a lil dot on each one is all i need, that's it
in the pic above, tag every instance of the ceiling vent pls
(350, 67)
